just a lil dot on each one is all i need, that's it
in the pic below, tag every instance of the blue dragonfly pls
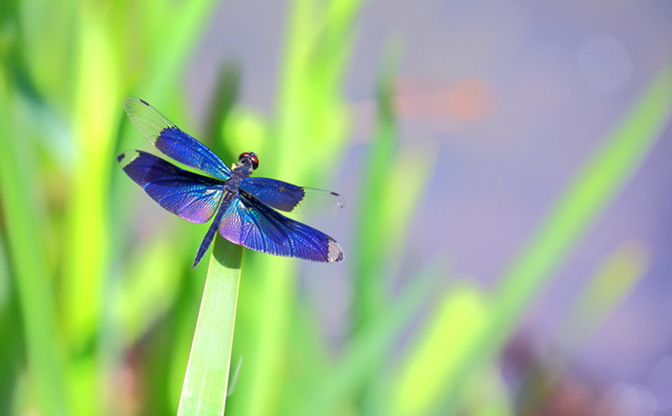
(243, 207)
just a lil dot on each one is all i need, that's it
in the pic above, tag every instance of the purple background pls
(516, 96)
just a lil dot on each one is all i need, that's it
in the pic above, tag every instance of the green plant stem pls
(206, 380)
(571, 216)
(362, 355)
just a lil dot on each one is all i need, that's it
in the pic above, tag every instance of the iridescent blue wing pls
(172, 141)
(291, 198)
(190, 196)
(252, 224)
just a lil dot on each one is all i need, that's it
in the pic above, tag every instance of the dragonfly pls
(245, 208)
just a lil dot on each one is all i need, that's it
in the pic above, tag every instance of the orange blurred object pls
(468, 99)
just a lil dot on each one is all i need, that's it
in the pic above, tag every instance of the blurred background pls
(507, 225)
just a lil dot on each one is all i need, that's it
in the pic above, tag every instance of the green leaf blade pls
(575, 211)
(206, 381)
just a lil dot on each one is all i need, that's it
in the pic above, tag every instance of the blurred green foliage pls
(98, 305)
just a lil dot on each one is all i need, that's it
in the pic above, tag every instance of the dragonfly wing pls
(172, 141)
(250, 223)
(291, 198)
(190, 196)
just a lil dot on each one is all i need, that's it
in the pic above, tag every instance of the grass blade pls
(369, 256)
(10, 333)
(363, 354)
(616, 277)
(175, 45)
(28, 260)
(570, 217)
(88, 248)
(310, 119)
(421, 381)
(206, 381)
(380, 230)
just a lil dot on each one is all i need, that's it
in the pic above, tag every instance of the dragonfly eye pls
(253, 158)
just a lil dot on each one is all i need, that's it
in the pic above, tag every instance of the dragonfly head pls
(251, 158)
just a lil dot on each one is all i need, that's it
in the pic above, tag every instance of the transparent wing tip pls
(319, 201)
(340, 201)
(126, 158)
